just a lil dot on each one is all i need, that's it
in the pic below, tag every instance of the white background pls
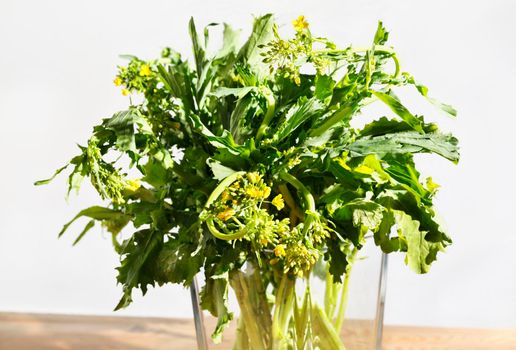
(57, 63)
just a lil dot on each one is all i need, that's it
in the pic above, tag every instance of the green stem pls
(344, 295)
(284, 306)
(257, 336)
(213, 196)
(271, 106)
(291, 203)
(330, 296)
(375, 48)
(307, 197)
(328, 338)
(242, 340)
(341, 114)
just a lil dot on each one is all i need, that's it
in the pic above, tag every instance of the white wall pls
(57, 62)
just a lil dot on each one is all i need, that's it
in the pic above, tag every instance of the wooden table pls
(60, 332)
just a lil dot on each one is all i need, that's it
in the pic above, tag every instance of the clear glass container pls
(361, 317)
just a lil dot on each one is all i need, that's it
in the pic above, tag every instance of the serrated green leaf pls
(302, 111)
(444, 145)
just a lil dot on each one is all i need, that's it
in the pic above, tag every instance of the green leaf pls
(419, 250)
(140, 253)
(384, 126)
(337, 259)
(301, 112)
(323, 87)
(362, 213)
(124, 125)
(198, 50)
(214, 298)
(230, 42)
(96, 213)
(88, 226)
(423, 90)
(395, 105)
(444, 145)
(238, 92)
(245, 109)
(47, 181)
(179, 262)
(220, 172)
(381, 35)
(250, 53)
(177, 79)
(382, 235)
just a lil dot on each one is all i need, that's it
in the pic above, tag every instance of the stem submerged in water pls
(344, 293)
(255, 317)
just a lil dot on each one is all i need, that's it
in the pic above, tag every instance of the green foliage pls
(272, 173)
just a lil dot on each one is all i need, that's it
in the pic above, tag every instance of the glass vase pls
(304, 313)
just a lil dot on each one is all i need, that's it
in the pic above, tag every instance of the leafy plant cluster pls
(272, 176)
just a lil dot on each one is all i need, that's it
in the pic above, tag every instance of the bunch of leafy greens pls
(272, 176)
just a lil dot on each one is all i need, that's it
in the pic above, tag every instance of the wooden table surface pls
(63, 332)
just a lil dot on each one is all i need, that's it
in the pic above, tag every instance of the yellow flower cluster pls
(145, 70)
(299, 259)
(258, 192)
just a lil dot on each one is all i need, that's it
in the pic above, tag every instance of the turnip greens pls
(273, 180)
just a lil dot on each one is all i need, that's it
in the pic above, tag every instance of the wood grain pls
(66, 332)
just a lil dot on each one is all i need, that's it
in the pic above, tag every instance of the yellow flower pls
(279, 251)
(278, 202)
(264, 241)
(133, 185)
(125, 92)
(117, 81)
(266, 192)
(253, 177)
(300, 23)
(145, 70)
(256, 192)
(226, 214)
(431, 185)
(225, 196)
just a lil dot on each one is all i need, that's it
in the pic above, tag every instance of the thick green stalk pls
(341, 114)
(257, 336)
(242, 340)
(302, 325)
(271, 107)
(330, 296)
(328, 337)
(307, 198)
(344, 295)
(283, 312)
